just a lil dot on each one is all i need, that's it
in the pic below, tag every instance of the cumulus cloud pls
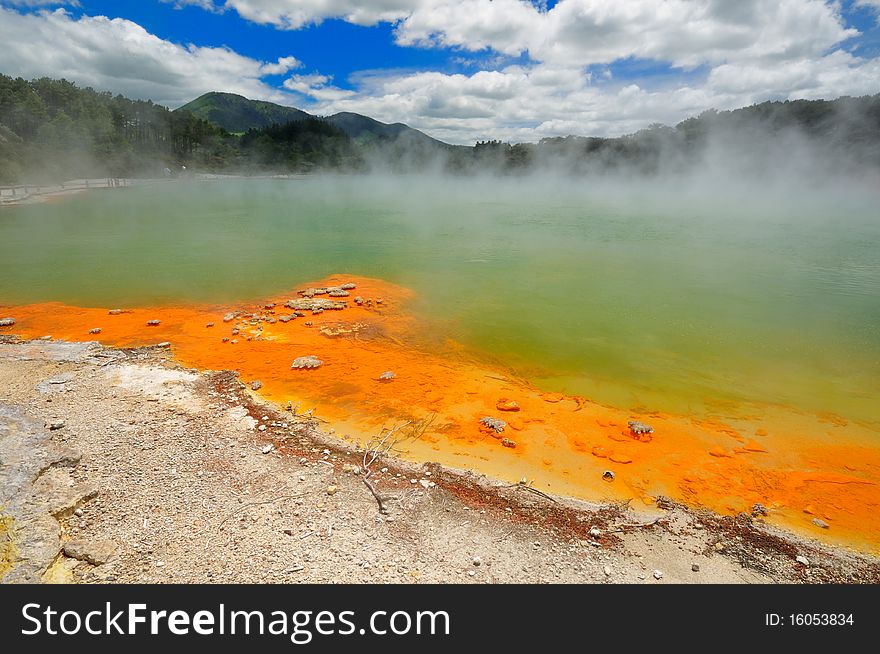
(720, 54)
(121, 56)
(317, 87)
(283, 65)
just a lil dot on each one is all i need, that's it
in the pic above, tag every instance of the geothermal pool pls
(744, 326)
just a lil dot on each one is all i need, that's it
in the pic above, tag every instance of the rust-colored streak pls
(800, 466)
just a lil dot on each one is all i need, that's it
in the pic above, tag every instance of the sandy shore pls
(119, 465)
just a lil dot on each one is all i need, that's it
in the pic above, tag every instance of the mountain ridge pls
(237, 113)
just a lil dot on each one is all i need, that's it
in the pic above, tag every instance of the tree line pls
(53, 130)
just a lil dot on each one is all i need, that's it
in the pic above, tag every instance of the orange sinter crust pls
(801, 467)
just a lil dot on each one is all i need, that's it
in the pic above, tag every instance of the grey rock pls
(7, 322)
(229, 317)
(695, 567)
(256, 385)
(821, 524)
(388, 375)
(348, 286)
(153, 323)
(639, 428)
(802, 560)
(495, 424)
(306, 363)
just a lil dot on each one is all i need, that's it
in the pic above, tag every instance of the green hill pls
(235, 113)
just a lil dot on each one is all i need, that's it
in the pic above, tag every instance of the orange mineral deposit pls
(380, 366)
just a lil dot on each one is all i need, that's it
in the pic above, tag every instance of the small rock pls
(266, 449)
(506, 442)
(759, 509)
(95, 330)
(285, 318)
(114, 312)
(348, 286)
(256, 385)
(164, 344)
(695, 567)
(388, 375)
(494, 424)
(471, 573)
(608, 475)
(262, 428)
(56, 424)
(306, 363)
(637, 428)
(821, 524)
(359, 300)
(802, 560)
(96, 552)
(607, 570)
(153, 323)
(504, 404)
(477, 561)
(331, 490)
(719, 546)
(78, 512)
(657, 574)
(595, 532)
(229, 317)
(210, 324)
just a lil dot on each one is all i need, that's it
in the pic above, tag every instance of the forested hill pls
(235, 113)
(52, 130)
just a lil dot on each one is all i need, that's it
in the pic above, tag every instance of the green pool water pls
(671, 296)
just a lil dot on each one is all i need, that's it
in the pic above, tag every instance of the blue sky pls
(460, 70)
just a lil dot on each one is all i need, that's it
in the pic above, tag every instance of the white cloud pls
(39, 3)
(741, 52)
(120, 56)
(317, 87)
(283, 65)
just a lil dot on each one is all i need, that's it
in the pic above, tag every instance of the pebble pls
(256, 385)
(820, 523)
(657, 574)
(695, 567)
(477, 561)
(95, 330)
(607, 570)
(229, 317)
(164, 344)
(153, 323)
(56, 424)
(595, 532)
(114, 312)
(267, 448)
(608, 475)
(262, 427)
(471, 573)
(331, 490)
(802, 560)
(719, 546)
